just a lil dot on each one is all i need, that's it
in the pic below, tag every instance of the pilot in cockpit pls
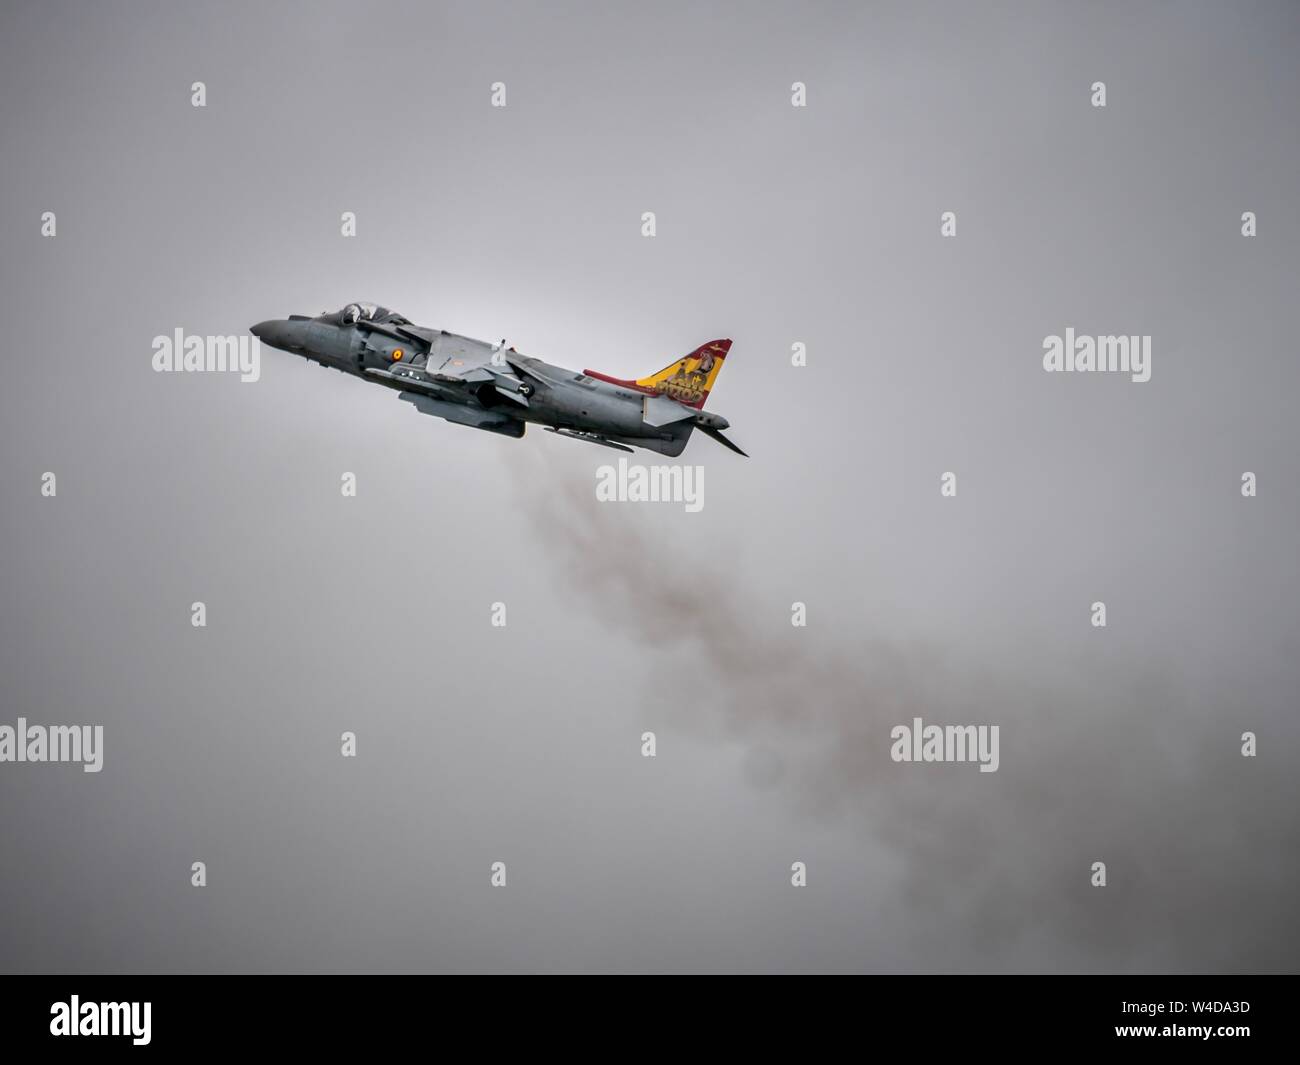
(369, 312)
(356, 311)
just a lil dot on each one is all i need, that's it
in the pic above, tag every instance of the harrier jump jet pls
(489, 386)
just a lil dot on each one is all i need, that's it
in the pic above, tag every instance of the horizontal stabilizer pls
(660, 410)
(717, 435)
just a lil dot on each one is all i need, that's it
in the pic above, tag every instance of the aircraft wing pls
(457, 360)
(410, 378)
(458, 356)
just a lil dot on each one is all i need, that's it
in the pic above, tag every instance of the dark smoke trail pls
(1200, 844)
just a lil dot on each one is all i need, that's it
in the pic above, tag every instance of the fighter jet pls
(494, 388)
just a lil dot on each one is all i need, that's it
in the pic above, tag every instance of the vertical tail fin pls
(688, 380)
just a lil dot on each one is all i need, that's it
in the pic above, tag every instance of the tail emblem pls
(688, 380)
(686, 385)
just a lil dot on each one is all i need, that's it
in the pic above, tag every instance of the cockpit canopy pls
(355, 312)
(365, 312)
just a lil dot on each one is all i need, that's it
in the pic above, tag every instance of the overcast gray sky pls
(776, 225)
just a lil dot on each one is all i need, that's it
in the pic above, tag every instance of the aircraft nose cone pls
(276, 333)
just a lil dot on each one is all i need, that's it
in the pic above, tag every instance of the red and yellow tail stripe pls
(688, 380)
